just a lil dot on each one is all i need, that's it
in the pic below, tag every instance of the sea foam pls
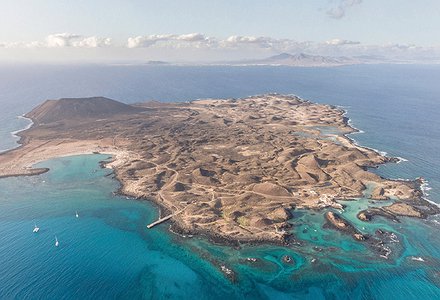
(14, 133)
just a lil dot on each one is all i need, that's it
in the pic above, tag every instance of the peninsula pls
(232, 169)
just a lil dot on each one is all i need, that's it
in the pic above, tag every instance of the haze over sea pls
(108, 253)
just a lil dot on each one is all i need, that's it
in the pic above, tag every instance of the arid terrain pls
(231, 169)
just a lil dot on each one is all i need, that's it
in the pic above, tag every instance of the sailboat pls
(36, 228)
(56, 242)
(76, 214)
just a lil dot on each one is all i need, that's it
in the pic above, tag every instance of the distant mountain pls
(302, 60)
(157, 62)
(78, 108)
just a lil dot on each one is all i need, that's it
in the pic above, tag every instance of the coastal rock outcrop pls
(339, 223)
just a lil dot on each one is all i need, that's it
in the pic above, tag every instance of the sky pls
(203, 30)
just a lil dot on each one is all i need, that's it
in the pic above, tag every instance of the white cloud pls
(197, 40)
(92, 42)
(265, 43)
(263, 46)
(237, 41)
(339, 11)
(192, 37)
(62, 40)
(147, 40)
(201, 47)
(75, 40)
(341, 42)
(150, 40)
(33, 44)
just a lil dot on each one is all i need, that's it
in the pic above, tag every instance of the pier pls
(161, 220)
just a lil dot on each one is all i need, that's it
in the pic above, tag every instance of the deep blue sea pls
(107, 253)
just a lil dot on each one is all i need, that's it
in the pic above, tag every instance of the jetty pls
(161, 220)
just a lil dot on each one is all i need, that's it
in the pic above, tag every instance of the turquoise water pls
(108, 253)
(105, 253)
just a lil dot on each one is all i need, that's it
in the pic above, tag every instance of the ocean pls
(107, 253)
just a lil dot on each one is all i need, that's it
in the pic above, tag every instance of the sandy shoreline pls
(12, 165)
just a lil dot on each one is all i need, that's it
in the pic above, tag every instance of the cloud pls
(63, 40)
(199, 46)
(267, 44)
(192, 37)
(188, 41)
(252, 42)
(260, 41)
(263, 45)
(231, 43)
(34, 44)
(341, 42)
(75, 40)
(147, 41)
(150, 40)
(338, 11)
(93, 42)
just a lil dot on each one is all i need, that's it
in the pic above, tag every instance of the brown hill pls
(271, 189)
(78, 108)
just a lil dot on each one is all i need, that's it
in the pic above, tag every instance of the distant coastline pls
(303, 60)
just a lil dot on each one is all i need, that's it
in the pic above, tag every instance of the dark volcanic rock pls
(79, 108)
(287, 259)
(336, 221)
(368, 214)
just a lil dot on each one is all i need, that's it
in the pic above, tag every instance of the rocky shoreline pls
(378, 243)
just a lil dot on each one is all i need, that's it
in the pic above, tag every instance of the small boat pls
(76, 214)
(36, 228)
(417, 258)
(56, 242)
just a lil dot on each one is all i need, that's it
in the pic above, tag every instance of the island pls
(230, 169)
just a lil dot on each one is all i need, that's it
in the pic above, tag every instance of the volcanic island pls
(230, 169)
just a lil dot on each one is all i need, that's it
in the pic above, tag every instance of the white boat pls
(76, 214)
(417, 258)
(36, 229)
(56, 242)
